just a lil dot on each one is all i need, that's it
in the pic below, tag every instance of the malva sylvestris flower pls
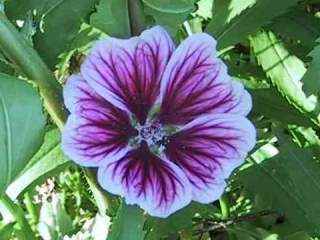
(164, 125)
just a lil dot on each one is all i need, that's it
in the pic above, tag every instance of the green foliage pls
(311, 79)
(7, 230)
(303, 31)
(231, 31)
(47, 162)
(182, 220)
(250, 232)
(170, 14)
(269, 102)
(59, 22)
(273, 196)
(128, 224)
(21, 126)
(284, 69)
(288, 184)
(54, 221)
(112, 17)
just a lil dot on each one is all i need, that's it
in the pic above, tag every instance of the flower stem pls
(33, 214)
(18, 215)
(224, 205)
(16, 48)
(105, 201)
(136, 16)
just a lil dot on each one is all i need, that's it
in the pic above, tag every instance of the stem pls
(26, 58)
(221, 226)
(18, 214)
(103, 199)
(31, 210)
(224, 205)
(136, 16)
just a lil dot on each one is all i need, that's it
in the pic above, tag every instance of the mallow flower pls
(164, 125)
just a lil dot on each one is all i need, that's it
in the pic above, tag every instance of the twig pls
(222, 225)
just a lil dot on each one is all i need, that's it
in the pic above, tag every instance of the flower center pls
(151, 133)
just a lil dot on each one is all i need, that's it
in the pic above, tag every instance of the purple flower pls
(164, 125)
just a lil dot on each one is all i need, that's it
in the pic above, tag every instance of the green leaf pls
(204, 9)
(284, 70)
(304, 28)
(170, 14)
(250, 232)
(59, 27)
(270, 103)
(7, 230)
(48, 161)
(128, 224)
(59, 22)
(287, 183)
(181, 220)
(112, 17)
(230, 30)
(22, 125)
(311, 79)
(17, 10)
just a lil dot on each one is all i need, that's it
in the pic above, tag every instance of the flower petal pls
(127, 72)
(96, 131)
(208, 149)
(156, 185)
(195, 82)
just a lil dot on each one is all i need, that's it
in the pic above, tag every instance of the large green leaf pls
(299, 26)
(59, 23)
(128, 224)
(45, 163)
(170, 14)
(22, 125)
(311, 79)
(288, 183)
(230, 30)
(59, 27)
(112, 17)
(270, 103)
(17, 10)
(284, 70)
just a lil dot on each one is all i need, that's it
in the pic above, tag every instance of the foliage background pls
(273, 47)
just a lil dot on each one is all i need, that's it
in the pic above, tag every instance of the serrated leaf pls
(22, 123)
(204, 9)
(128, 224)
(311, 79)
(270, 103)
(298, 25)
(170, 14)
(112, 17)
(229, 32)
(288, 184)
(284, 70)
(46, 163)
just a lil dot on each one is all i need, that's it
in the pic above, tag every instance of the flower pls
(164, 125)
